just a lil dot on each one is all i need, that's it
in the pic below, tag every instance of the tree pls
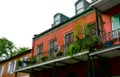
(19, 51)
(6, 48)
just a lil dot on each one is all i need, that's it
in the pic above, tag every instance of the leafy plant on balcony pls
(91, 42)
(73, 49)
(58, 53)
(84, 40)
(44, 58)
(32, 60)
(19, 63)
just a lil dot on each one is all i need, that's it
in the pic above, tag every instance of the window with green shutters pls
(116, 25)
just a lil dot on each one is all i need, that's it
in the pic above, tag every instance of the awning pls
(79, 57)
(107, 52)
(105, 5)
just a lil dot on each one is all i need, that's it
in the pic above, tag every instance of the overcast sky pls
(21, 19)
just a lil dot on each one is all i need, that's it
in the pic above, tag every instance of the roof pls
(61, 24)
(29, 50)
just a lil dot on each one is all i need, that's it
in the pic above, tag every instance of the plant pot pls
(32, 61)
(44, 58)
(58, 54)
(109, 44)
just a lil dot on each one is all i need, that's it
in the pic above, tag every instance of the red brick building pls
(104, 15)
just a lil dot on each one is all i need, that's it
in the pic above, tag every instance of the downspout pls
(91, 61)
(33, 45)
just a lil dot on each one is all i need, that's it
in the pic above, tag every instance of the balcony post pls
(54, 64)
(16, 74)
(90, 66)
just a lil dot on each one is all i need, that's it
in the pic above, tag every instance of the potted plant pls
(92, 43)
(19, 63)
(73, 49)
(32, 60)
(58, 53)
(44, 58)
(109, 43)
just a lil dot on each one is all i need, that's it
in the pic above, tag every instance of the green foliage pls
(6, 48)
(19, 63)
(73, 49)
(44, 58)
(59, 53)
(32, 60)
(78, 30)
(84, 40)
(21, 50)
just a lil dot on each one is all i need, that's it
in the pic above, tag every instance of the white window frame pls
(57, 19)
(80, 7)
(1, 70)
(11, 67)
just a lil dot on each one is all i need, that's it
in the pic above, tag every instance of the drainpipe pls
(33, 45)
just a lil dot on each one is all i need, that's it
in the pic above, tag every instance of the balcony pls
(110, 49)
(105, 5)
(48, 61)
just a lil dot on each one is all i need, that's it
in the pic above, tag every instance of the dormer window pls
(80, 6)
(57, 19)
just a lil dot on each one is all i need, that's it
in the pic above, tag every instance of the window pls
(39, 51)
(24, 60)
(68, 39)
(79, 7)
(57, 19)
(92, 30)
(1, 70)
(11, 67)
(116, 25)
(53, 47)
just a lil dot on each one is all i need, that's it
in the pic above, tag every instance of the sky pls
(20, 20)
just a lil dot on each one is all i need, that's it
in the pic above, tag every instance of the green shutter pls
(115, 25)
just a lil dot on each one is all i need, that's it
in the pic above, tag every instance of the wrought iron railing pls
(41, 57)
(111, 38)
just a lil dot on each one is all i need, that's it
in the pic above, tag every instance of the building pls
(8, 66)
(104, 16)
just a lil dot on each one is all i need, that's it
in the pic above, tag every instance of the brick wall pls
(106, 17)
(61, 31)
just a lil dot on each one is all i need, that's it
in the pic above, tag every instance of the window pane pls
(53, 47)
(39, 51)
(68, 39)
